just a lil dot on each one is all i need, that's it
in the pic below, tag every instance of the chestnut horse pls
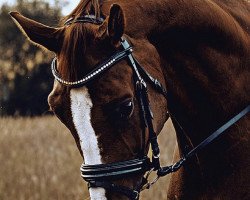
(199, 50)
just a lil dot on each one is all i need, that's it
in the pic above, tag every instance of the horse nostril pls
(51, 107)
(51, 101)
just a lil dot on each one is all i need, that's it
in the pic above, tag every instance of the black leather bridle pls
(102, 175)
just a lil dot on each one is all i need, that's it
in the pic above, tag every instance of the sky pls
(66, 9)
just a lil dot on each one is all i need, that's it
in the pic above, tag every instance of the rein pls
(102, 175)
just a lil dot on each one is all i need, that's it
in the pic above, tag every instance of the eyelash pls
(122, 110)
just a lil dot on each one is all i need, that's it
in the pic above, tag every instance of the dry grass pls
(39, 161)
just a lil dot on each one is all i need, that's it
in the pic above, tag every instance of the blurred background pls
(38, 157)
(24, 68)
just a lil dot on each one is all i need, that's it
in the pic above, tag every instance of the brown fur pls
(200, 49)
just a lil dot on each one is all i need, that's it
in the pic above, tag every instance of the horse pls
(197, 50)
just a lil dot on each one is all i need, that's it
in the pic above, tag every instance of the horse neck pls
(206, 64)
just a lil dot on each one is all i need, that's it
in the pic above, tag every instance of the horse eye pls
(125, 109)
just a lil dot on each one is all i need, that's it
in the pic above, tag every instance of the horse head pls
(105, 114)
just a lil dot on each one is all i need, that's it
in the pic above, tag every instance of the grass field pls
(39, 161)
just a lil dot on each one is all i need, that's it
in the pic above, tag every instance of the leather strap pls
(142, 95)
(131, 194)
(115, 170)
(98, 70)
(153, 81)
(85, 19)
(173, 168)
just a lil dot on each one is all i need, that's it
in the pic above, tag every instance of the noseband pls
(102, 175)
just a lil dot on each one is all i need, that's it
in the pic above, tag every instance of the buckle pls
(136, 195)
(149, 184)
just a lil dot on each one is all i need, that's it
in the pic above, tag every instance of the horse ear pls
(116, 24)
(38, 33)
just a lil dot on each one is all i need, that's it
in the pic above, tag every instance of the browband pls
(98, 70)
(85, 19)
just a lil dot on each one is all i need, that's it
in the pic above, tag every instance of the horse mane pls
(75, 39)
(85, 7)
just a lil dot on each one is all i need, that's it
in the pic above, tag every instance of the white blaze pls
(81, 105)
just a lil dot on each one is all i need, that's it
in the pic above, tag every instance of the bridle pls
(102, 175)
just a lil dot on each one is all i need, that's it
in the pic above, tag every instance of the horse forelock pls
(73, 50)
(75, 39)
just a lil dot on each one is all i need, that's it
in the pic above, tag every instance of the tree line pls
(25, 76)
